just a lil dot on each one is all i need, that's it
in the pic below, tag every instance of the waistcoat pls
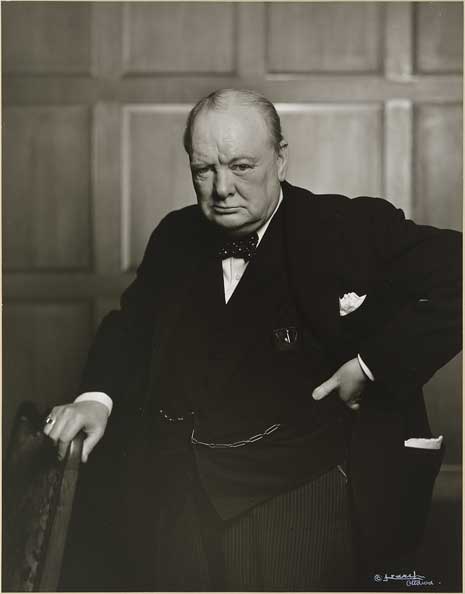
(234, 370)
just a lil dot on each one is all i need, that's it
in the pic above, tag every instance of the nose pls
(224, 185)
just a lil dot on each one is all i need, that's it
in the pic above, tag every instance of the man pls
(269, 359)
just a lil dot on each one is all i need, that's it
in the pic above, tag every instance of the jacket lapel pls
(252, 309)
(313, 242)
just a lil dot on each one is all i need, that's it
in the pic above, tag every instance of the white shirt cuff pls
(366, 370)
(97, 397)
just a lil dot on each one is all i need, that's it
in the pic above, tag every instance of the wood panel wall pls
(95, 98)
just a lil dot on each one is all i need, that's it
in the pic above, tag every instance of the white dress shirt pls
(233, 270)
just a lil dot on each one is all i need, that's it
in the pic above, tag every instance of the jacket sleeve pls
(119, 355)
(421, 269)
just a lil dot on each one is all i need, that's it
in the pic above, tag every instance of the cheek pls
(247, 193)
(254, 191)
(250, 186)
(203, 190)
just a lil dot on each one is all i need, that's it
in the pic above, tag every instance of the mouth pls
(225, 209)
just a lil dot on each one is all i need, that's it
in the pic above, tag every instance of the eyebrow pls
(203, 163)
(244, 157)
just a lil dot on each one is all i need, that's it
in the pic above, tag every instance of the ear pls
(282, 160)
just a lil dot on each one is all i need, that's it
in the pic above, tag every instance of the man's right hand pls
(68, 420)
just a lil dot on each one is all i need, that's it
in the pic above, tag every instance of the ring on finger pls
(50, 420)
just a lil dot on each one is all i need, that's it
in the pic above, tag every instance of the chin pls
(228, 222)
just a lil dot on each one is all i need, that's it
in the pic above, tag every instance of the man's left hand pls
(349, 381)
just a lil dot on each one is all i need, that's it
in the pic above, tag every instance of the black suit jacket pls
(407, 328)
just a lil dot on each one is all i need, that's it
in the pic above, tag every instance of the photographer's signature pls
(410, 579)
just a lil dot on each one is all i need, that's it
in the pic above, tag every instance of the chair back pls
(38, 493)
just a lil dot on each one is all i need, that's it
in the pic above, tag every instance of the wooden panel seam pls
(398, 153)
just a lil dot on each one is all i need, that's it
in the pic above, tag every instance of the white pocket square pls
(421, 443)
(349, 303)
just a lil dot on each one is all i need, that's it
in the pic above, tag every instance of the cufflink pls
(285, 339)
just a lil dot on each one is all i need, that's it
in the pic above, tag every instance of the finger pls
(89, 444)
(72, 427)
(58, 434)
(62, 449)
(51, 418)
(57, 427)
(353, 405)
(326, 388)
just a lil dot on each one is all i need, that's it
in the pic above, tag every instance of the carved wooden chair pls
(38, 492)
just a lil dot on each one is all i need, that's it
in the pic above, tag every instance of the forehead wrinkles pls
(228, 133)
(228, 143)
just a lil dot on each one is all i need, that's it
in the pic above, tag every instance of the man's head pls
(238, 158)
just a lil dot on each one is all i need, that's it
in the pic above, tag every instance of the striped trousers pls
(298, 541)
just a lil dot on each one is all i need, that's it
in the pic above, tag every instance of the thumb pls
(325, 388)
(89, 443)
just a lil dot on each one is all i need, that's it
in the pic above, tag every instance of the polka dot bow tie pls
(241, 247)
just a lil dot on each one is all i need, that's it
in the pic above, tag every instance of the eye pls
(241, 167)
(200, 171)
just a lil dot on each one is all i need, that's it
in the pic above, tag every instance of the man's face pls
(235, 170)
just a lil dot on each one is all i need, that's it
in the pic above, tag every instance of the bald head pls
(224, 99)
